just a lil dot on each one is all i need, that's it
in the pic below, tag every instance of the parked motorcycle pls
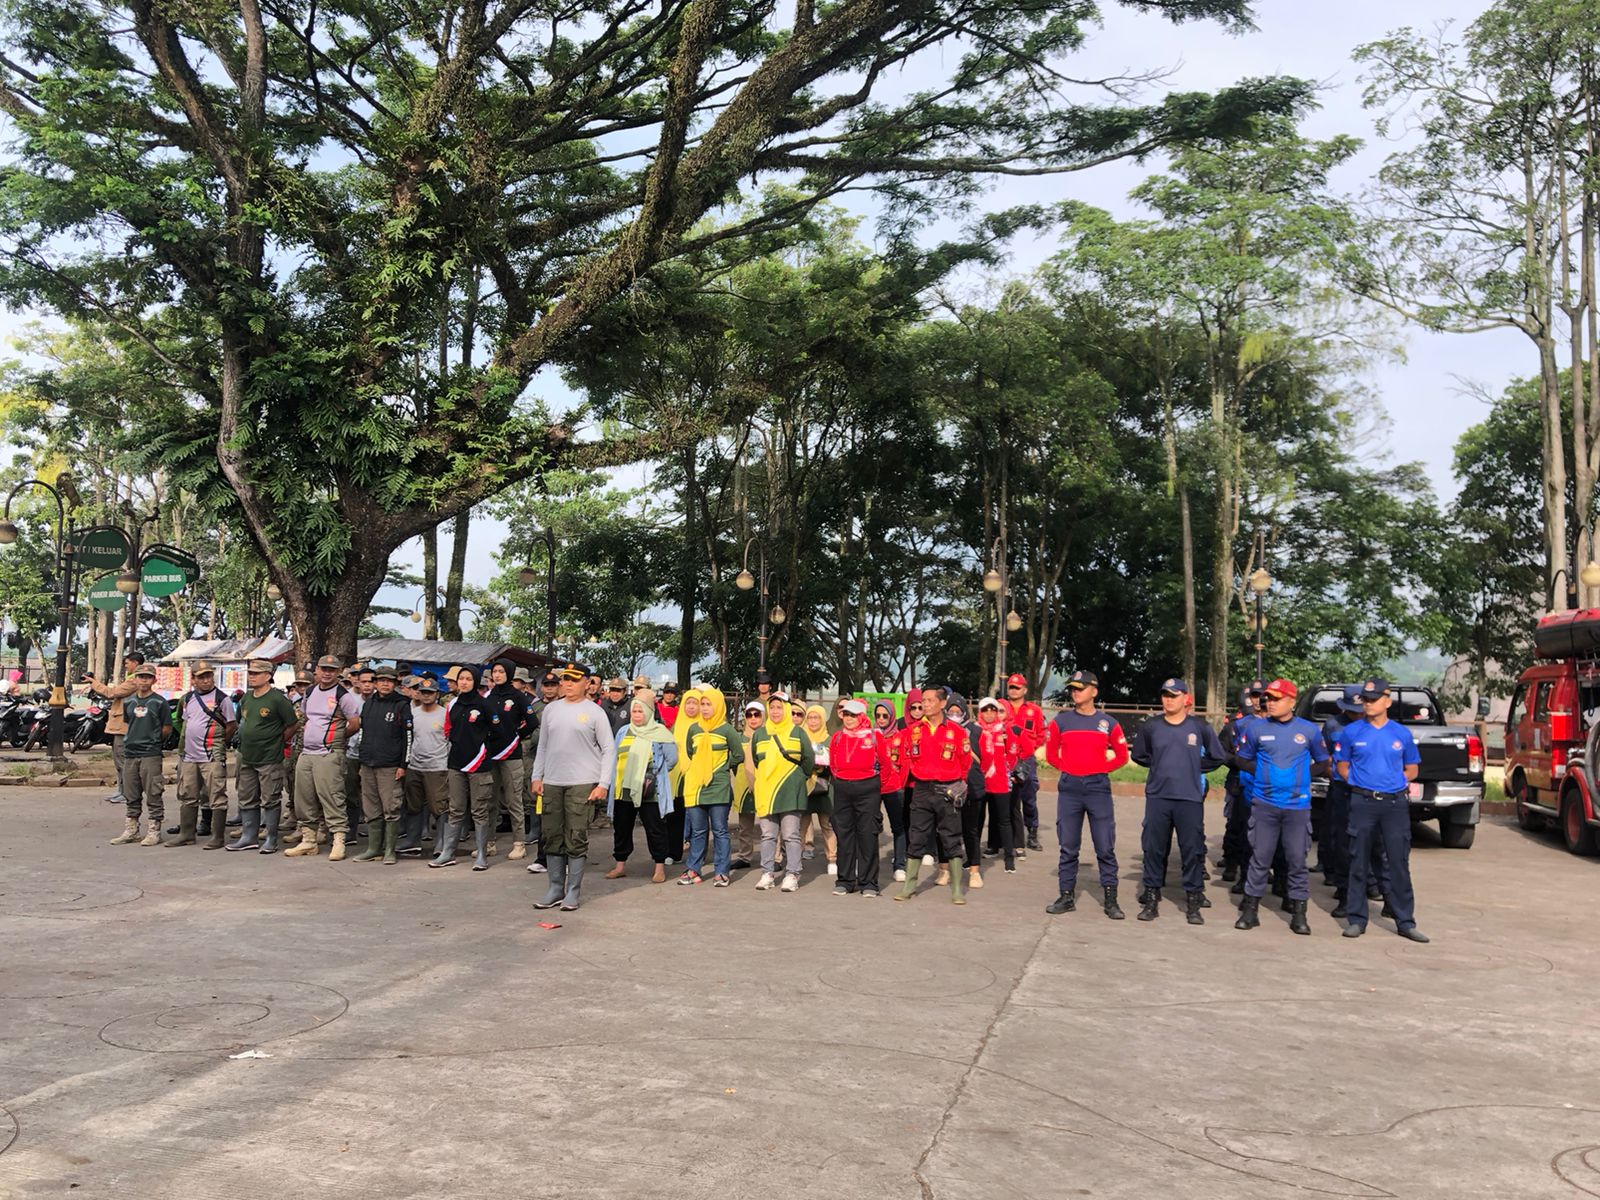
(91, 730)
(13, 727)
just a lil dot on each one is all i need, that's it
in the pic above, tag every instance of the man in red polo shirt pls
(939, 755)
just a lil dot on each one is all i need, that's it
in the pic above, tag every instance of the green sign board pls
(175, 557)
(104, 595)
(159, 577)
(103, 546)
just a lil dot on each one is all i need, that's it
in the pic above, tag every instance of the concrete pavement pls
(411, 1032)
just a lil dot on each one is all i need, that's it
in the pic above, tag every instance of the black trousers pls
(1161, 819)
(1002, 831)
(1236, 832)
(656, 836)
(935, 822)
(898, 805)
(857, 822)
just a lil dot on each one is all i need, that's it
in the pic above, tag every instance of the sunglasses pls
(617, 690)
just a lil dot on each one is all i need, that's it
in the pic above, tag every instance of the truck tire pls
(1521, 795)
(1575, 830)
(1456, 835)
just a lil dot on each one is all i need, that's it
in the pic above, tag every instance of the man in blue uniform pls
(1178, 748)
(1336, 817)
(1236, 803)
(1378, 758)
(1283, 752)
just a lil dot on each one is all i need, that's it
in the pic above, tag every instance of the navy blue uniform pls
(1085, 748)
(1178, 757)
(1279, 757)
(1236, 803)
(1380, 812)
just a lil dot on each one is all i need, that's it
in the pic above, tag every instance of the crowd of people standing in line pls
(717, 791)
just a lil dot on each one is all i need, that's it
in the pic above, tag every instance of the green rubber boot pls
(908, 889)
(391, 835)
(374, 850)
(958, 882)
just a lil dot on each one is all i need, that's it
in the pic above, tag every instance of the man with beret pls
(267, 724)
(1282, 752)
(208, 722)
(147, 720)
(1378, 758)
(332, 713)
(385, 749)
(576, 756)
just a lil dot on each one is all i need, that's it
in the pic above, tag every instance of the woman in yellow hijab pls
(715, 753)
(819, 798)
(780, 757)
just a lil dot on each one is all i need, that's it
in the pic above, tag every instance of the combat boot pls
(1033, 840)
(308, 842)
(1341, 907)
(152, 833)
(336, 851)
(1230, 873)
(1192, 908)
(130, 832)
(1149, 904)
(219, 830)
(1297, 918)
(186, 823)
(1238, 884)
(249, 830)
(1249, 913)
(1064, 903)
(1113, 909)
(391, 835)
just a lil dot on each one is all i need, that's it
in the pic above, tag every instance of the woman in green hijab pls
(642, 787)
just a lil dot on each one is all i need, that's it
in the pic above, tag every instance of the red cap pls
(1017, 681)
(1282, 687)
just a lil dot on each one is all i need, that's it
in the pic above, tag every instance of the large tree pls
(360, 234)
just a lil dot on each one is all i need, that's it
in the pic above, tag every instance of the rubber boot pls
(249, 831)
(219, 830)
(308, 842)
(480, 860)
(336, 851)
(908, 889)
(130, 832)
(573, 898)
(374, 849)
(1191, 912)
(1149, 904)
(269, 839)
(1297, 918)
(1249, 916)
(1113, 909)
(557, 879)
(186, 826)
(958, 882)
(1064, 903)
(445, 838)
(409, 839)
(203, 826)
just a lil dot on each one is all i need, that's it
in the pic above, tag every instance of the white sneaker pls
(833, 868)
(537, 868)
(900, 876)
(927, 860)
(791, 883)
(764, 884)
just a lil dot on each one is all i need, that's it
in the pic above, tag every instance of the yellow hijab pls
(773, 768)
(704, 760)
(680, 734)
(818, 738)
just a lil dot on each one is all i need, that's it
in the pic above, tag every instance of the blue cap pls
(1373, 689)
(1176, 686)
(1350, 702)
(1083, 679)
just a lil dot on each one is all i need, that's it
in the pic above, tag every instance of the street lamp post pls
(66, 562)
(1260, 583)
(747, 581)
(1589, 577)
(997, 582)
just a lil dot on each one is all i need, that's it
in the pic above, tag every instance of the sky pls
(1425, 395)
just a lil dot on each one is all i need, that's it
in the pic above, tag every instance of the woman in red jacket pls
(998, 755)
(858, 758)
(893, 785)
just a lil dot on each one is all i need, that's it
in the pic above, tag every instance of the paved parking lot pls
(178, 1023)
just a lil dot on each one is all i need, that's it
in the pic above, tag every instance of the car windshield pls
(1412, 706)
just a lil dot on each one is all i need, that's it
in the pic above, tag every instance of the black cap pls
(763, 676)
(1175, 687)
(1373, 689)
(1083, 679)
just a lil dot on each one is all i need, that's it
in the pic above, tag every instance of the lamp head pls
(8, 532)
(778, 615)
(128, 583)
(527, 577)
(991, 580)
(745, 580)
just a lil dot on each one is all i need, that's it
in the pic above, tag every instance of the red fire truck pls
(1553, 730)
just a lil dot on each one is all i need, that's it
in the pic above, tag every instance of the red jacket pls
(897, 769)
(941, 755)
(861, 754)
(1027, 725)
(997, 754)
(1075, 744)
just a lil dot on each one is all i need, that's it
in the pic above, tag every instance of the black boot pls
(1249, 915)
(1374, 892)
(1386, 910)
(1238, 885)
(1340, 908)
(203, 829)
(1288, 904)
(410, 839)
(1205, 901)
(1064, 903)
(1149, 904)
(1192, 908)
(1230, 873)
(1033, 840)
(1297, 917)
(1113, 910)
(1280, 886)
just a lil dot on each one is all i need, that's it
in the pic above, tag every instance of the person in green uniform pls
(780, 758)
(267, 724)
(715, 753)
(149, 721)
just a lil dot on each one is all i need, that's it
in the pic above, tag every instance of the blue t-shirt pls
(1178, 757)
(1378, 757)
(1283, 752)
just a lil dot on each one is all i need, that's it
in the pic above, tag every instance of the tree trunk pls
(688, 581)
(450, 618)
(1222, 554)
(1191, 623)
(430, 583)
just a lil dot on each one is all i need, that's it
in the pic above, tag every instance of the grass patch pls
(1134, 773)
(19, 769)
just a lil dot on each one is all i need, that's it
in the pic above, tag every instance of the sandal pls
(689, 879)
(721, 881)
